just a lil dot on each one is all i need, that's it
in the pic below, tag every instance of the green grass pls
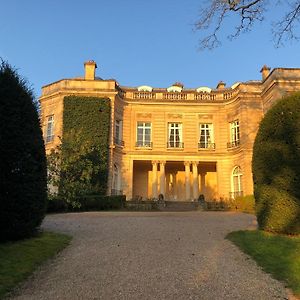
(19, 259)
(277, 254)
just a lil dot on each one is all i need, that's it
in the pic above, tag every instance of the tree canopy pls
(214, 12)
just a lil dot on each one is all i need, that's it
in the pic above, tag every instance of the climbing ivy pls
(90, 116)
(79, 166)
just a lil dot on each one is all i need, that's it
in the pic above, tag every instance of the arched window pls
(237, 187)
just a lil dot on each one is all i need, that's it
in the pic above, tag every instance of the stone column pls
(154, 179)
(195, 180)
(162, 178)
(187, 165)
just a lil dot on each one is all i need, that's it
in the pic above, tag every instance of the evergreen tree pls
(23, 183)
(276, 168)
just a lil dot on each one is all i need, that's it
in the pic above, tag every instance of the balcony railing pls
(233, 195)
(144, 95)
(177, 145)
(233, 144)
(204, 145)
(143, 144)
(175, 96)
(119, 142)
(205, 96)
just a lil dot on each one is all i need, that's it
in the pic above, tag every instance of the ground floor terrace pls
(181, 180)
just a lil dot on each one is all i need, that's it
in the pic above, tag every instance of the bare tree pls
(249, 12)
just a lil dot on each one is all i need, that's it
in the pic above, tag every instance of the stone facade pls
(175, 141)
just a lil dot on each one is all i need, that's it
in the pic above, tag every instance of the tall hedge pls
(90, 118)
(276, 167)
(23, 181)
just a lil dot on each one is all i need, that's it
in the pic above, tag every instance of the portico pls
(175, 180)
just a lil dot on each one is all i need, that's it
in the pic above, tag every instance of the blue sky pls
(136, 42)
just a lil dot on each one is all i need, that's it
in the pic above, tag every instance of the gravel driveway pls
(150, 255)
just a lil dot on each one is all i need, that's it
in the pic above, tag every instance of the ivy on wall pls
(89, 117)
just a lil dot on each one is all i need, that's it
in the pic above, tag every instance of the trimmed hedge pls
(56, 205)
(216, 205)
(277, 210)
(244, 204)
(23, 173)
(276, 168)
(95, 202)
(87, 203)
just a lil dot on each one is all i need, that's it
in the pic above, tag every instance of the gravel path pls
(150, 255)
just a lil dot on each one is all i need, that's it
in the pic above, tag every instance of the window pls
(237, 188)
(116, 184)
(143, 134)
(118, 133)
(234, 134)
(175, 135)
(206, 136)
(50, 129)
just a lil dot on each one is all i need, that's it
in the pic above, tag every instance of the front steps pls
(162, 205)
(178, 206)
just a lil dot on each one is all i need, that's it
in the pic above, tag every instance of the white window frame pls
(208, 135)
(49, 133)
(118, 131)
(238, 175)
(173, 126)
(143, 125)
(235, 133)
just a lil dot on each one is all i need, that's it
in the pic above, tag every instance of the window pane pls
(143, 133)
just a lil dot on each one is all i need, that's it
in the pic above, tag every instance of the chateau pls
(175, 141)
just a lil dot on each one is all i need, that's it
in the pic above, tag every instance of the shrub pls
(216, 205)
(277, 210)
(244, 204)
(87, 203)
(55, 204)
(96, 202)
(23, 183)
(276, 167)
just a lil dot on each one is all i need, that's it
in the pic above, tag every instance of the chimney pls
(265, 71)
(89, 70)
(221, 85)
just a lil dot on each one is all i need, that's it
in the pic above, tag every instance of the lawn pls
(19, 259)
(277, 254)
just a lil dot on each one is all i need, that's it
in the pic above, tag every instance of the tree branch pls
(250, 12)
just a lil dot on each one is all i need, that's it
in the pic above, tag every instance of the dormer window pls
(145, 88)
(174, 89)
(203, 89)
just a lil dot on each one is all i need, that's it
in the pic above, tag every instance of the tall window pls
(175, 135)
(237, 182)
(118, 132)
(234, 134)
(50, 129)
(116, 185)
(206, 136)
(143, 134)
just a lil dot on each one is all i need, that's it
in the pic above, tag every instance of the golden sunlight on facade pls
(175, 141)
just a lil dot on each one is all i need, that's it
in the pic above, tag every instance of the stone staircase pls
(179, 206)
